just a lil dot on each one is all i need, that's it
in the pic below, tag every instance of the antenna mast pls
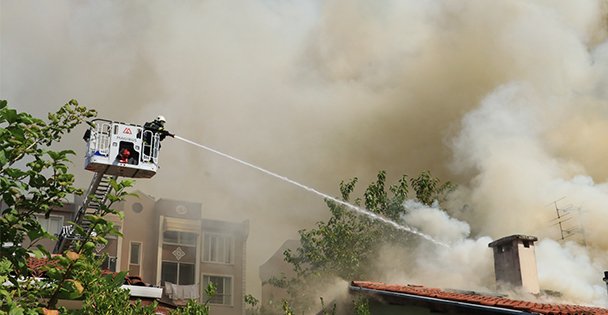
(565, 215)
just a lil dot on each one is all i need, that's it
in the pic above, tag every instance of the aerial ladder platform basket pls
(113, 149)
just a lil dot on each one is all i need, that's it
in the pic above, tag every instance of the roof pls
(138, 290)
(511, 238)
(416, 294)
(36, 265)
(276, 265)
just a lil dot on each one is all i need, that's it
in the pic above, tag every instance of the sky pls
(505, 98)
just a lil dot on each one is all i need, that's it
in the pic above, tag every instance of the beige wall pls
(239, 232)
(529, 272)
(65, 212)
(140, 225)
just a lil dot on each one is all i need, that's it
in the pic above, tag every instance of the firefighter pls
(158, 126)
(124, 156)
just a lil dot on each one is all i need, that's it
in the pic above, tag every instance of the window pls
(218, 248)
(177, 273)
(52, 225)
(109, 263)
(135, 258)
(179, 238)
(223, 286)
(179, 256)
(135, 253)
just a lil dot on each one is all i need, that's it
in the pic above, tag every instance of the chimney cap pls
(511, 238)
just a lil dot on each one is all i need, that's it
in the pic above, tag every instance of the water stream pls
(357, 209)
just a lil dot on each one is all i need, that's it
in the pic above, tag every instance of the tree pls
(345, 245)
(194, 308)
(103, 292)
(33, 180)
(429, 188)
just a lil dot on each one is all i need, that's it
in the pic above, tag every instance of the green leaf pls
(15, 172)
(18, 133)
(53, 273)
(10, 115)
(119, 279)
(53, 155)
(43, 251)
(71, 290)
(3, 159)
(16, 310)
(35, 233)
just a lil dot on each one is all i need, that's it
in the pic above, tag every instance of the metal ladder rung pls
(99, 189)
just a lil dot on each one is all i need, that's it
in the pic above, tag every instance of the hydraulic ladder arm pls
(95, 197)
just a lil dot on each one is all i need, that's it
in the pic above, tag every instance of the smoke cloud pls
(507, 99)
(465, 264)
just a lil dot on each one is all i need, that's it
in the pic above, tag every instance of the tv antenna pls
(568, 219)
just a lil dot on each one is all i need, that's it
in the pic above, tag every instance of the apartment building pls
(170, 244)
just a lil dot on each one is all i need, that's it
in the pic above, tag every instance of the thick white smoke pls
(572, 270)
(567, 273)
(435, 222)
(465, 264)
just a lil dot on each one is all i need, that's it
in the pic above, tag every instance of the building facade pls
(170, 244)
(276, 267)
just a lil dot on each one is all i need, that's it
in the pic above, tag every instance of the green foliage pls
(103, 292)
(327, 310)
(361, 306)
(287, 310)
(342, 245)
(429, 189)
(88, 239)
(195, 308)
(33, 180)
(346, 244)
(192, 308)
(252, 303)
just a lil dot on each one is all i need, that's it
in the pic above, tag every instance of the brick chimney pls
(515, 262)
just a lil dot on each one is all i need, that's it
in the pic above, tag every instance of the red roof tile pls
(474, 298)
(35, 265)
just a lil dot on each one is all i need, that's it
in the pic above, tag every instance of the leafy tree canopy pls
(345, 245)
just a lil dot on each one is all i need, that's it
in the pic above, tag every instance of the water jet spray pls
(350, 206)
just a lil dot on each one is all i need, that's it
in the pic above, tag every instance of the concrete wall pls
(529, 272)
